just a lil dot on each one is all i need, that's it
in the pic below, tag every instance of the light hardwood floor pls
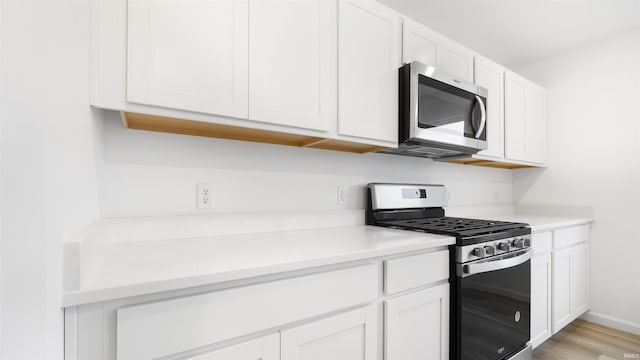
(583, 340)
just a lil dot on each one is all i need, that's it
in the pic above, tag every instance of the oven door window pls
(446, 109)
(494, 312)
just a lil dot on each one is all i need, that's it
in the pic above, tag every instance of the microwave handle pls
(483, 117)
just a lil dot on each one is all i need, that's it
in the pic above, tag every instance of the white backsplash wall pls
(593, 147)
(148, 173)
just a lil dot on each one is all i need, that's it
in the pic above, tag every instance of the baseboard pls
(610, 321)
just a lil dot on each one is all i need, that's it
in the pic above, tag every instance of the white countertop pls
(119, 258)
(141, 267)
(539, 222)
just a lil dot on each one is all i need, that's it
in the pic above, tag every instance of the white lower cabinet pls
(417, 325)
(561, 288)
(570, 295)
(540, 299)
(580, 279)
(331, 314)
(348, 336)
(570, 284)
(171, 326)
(559, 279)
(265, 348)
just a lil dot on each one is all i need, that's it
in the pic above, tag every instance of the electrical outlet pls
(342, 195)
(204, 196)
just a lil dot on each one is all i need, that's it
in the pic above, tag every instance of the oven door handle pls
(502, 262)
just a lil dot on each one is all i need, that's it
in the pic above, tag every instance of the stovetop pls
(467, 231)
(454, 226)
(420, 207)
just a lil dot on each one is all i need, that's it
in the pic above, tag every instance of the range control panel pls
(492, 248)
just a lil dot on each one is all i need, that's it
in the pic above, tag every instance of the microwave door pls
(445, 113)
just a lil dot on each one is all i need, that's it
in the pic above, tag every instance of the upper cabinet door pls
(368, 51)
(421, 44)
(293, 62)
(457, 60)
(524, 119)
(189, 55)
(515, 88)
(536, 124)
(490, 76)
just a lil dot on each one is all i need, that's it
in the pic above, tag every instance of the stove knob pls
(518, 243)
(527, 242)
(490, 250)
(479, 252)
(504, 246)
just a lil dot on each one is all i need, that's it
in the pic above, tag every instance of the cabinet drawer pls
(417, 270)
(541, 242)
(570, 236)
(163, 328)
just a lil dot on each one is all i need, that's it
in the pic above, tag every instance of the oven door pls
(493, 306)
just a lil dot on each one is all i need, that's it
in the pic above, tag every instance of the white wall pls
(593, 95)
(1, 167)
(148, 173)
(48, 186)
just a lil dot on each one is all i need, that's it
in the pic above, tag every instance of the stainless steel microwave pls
(440, 116)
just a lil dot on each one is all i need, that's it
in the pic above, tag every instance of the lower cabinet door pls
(540, 299)
(348, 336)
(266, 348)
(561, 288)
(417, 325)
(580, 279)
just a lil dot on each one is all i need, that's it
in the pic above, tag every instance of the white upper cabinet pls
(490, 76)
(368, 62)
(420, 43)
(525, 121)
(457, 60)
(189, 55)
(324, 71)
(536, 124)
(293, 62)
(349, 336)
(514, 112)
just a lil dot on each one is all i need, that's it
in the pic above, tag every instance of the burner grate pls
(453, 226)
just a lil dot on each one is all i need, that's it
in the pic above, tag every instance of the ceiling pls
(518, 32)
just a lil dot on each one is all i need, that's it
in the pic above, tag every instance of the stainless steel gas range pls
(490, 269)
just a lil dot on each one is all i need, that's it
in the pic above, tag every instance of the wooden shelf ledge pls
(488, 163)
(197, 128)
